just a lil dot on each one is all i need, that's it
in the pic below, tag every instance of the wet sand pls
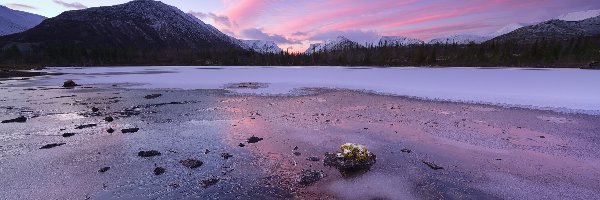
(487, 152)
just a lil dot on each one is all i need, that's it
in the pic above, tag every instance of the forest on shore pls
(581, 52)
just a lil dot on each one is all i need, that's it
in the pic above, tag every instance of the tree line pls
(576, 52)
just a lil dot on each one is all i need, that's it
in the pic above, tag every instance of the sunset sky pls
(294, 24)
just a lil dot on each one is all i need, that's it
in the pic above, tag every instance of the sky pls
(294, 24)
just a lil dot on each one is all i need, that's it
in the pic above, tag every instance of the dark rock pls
(68, 134)
(109, 119)
(297, 153)
(104, 169)
(85, 126)
(348, 165)
(20, 119)
(94, 109)
(191, 163)
(308, 177)
(313, 158)
(254, 139)
(152, 96)
(405, 150)
(49, 146)
(542, 137)
(150, 153)
(209, 182)
(130, 130)
(241, 145)
(432, 165)
(110, 130)
(226, 155)
(295, 148)
(69, 84)
(159, 171)
(206, 151)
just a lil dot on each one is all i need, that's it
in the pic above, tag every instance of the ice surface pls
(571, 89)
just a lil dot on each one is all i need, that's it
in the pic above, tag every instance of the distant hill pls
(14, 21)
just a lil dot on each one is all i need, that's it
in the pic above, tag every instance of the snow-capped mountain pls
(554, 30)
(578, 16)
(14, 21)
(398, 41)
(262, 46)
(460, 39)
(338, 43)
(139, 24)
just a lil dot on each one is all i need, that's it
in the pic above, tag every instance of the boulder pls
(69, 84)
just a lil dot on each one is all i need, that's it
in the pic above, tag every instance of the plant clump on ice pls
(352, 151)
(353, 157)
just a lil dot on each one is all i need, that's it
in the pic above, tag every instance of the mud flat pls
(213, 144)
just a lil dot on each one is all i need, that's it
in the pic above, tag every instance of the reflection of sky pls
(566, 88)
(293, 23)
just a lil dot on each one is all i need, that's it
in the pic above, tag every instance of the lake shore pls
(485, 151)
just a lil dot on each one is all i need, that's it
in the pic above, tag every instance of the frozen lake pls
(556, 89)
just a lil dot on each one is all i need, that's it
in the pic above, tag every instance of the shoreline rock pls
(150, 153)
(20, 119)
(191, 163)
(308, 176)
(49, 146)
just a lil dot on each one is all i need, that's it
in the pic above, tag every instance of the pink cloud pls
(20, 6)
(244, 8)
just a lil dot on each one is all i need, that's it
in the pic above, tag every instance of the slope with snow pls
(398, 41)
(14, 21)
(578, 16)
(460, 39)
(554, 30)
(139, 24)
(507, 29)
(338, 43)
(262, 46)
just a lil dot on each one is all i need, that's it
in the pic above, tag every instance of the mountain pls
(460, 39)
(14, 21)
(398, 41)
(262, 46)
(338, 43)
(554, 30)
(578, 16)
(139, 24)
